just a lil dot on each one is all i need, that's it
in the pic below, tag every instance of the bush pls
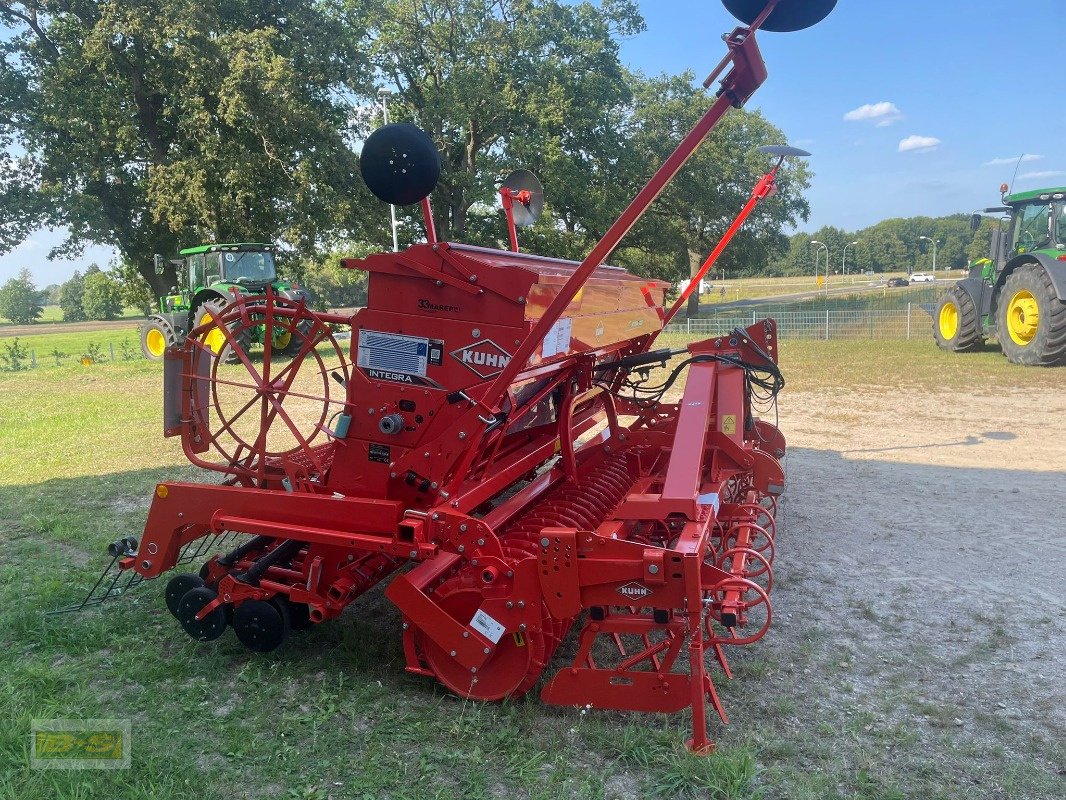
(15, 355)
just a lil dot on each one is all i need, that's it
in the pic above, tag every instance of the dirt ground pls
(920, 590)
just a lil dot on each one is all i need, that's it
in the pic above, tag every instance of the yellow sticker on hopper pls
(729, 424)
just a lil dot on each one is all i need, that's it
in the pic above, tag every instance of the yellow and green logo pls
(80, 744)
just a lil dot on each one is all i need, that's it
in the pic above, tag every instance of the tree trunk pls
(695, 261)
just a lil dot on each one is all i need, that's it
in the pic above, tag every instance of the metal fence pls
(829, 324)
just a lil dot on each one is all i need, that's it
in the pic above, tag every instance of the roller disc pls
(511, 671)
(210, 627)
(790, 15)
(178, 586)
(261, 625)
(400, 164)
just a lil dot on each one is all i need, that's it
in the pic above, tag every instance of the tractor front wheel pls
(955, 323)
(1030, 319)
(156, 337)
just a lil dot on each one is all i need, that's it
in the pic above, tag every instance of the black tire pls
(1042, 343)
(958, 331)
(216, 307)
(156, 337)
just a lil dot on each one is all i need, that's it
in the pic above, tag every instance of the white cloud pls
(883, 113)
(999, 162)
(918, 144)
(1048, 173)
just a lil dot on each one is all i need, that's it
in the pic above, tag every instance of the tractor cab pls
(247, 265)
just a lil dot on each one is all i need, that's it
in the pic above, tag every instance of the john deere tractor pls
(1018, 294)
(212, 275)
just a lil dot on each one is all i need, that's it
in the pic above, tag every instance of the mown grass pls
(332, 714)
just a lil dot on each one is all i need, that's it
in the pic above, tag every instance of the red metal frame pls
(496, 455)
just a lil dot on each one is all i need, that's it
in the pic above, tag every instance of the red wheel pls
(759, 540)
(511, 671)
(256, 412)
(763, 517)
(753, 602)
(756, 565)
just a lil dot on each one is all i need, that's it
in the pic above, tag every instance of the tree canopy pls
(149, 125)
(20, 301)
(890, 245)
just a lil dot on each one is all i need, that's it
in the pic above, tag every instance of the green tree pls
(102, 298)
(151, 124)
(330, 284)
(493, 80)
(20, 301)
(134, 290)
(71, 293)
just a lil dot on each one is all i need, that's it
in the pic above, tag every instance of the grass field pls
(332, 714)
(55, 314)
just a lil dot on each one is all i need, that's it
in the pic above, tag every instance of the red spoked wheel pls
(756, 566)
(757, 538)
(513, 668)
(271, 405)
(748, 601)
(760, 515)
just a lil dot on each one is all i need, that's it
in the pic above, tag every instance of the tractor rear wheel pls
(156, 337)
(955, 323)
(215, 340)
(1030, 319)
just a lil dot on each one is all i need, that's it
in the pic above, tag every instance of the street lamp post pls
(843, 262)
(822, 244)
(934, 241)
(383, 98)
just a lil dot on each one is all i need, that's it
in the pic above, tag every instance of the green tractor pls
(1018, 294)
(212, 275)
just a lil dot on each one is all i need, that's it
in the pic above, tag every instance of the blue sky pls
(908, 107)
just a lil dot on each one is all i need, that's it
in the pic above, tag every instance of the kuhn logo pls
(485, 358)
(634, 591)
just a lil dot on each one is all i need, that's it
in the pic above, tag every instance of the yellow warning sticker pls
(729, 424)
(519, 639)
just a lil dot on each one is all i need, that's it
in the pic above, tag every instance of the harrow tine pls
(118, 550)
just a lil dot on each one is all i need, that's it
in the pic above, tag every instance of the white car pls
(922, 277)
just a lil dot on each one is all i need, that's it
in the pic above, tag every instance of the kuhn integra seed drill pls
(491, 441)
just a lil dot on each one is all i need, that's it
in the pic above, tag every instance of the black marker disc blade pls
(783, 150)
(790, 15)
(400, 164)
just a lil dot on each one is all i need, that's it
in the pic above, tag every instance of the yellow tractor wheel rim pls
(949, 321)
(215, 340)
(1023, 317)
(282, 339)
(156, 341)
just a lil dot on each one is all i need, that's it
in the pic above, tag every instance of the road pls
(39, 328)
